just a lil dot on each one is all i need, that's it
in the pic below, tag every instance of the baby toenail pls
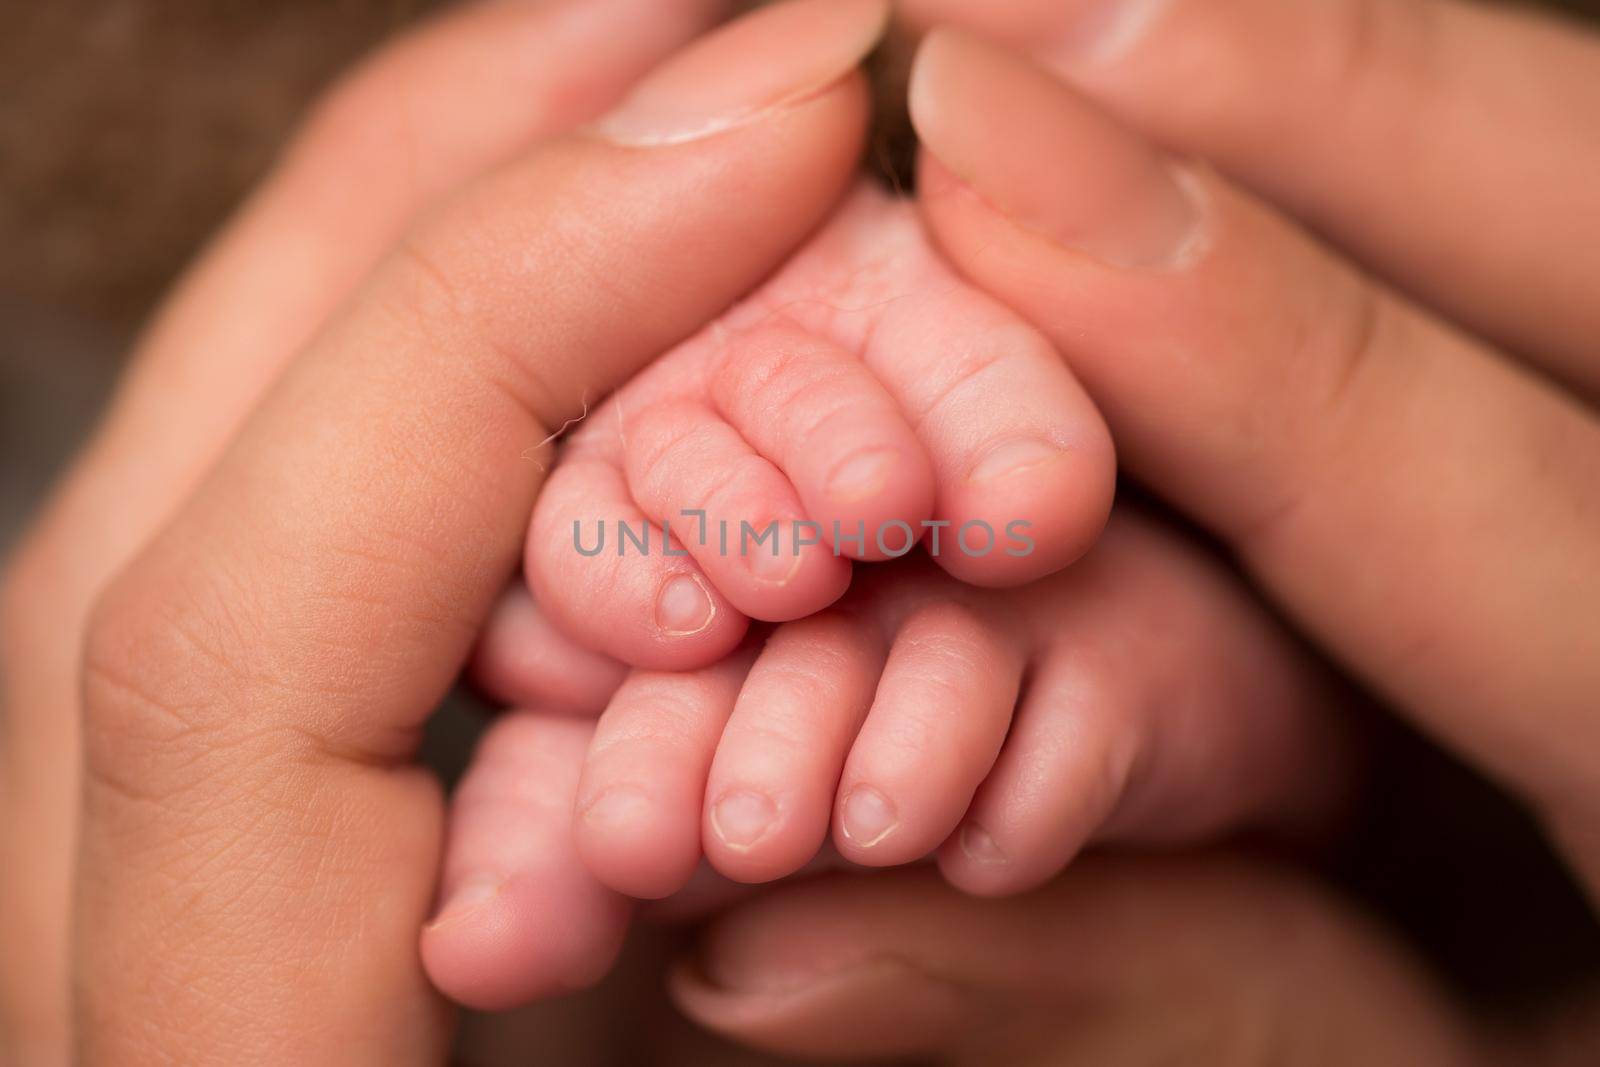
(867, 816)
(773, 560)
(860, 477)
(683, 606)
(741, 819)
(980, 846)
(1010, 457)
(619, 806)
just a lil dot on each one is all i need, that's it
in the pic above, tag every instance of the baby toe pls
(637, 822)
(825, 420)
(772, 782)
(731, 510)
(599, 570)
(937, 721)
(521, 917)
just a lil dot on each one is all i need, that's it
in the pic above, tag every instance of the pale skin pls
(1083, 480)
(864, 385)
(1010, 728)
(138, 957)
(1134, 698)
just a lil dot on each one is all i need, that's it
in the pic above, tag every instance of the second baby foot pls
(864, 399)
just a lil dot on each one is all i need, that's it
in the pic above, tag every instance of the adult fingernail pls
(1012, 457)
(867, 816)
(1046, 158)
(770, 59)
(1074, 33)
(1099, 33)
(778, 980)
(619, 806)
(683, 606)
(980, 846)
(862, 476)
(741, 819)
(470, 894)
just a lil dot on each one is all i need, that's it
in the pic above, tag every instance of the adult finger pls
(1189, 959)
(1424, 506)
(1450, 146)
(442, 103)
(256, 680)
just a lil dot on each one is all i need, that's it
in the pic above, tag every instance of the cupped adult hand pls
(1376, 448)
(1361, 351)
(418, 119)
(311, 489)
(1125, 961)
(1406, 457)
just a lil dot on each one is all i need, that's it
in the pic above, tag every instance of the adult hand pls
(447, 101)
(254, 681)
(1425, 503)
(1123, 962)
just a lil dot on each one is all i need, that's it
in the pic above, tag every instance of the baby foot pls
(864, 400)
(1138, 697)
(1002, 730)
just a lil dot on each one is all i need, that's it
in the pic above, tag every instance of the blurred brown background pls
(128, 129)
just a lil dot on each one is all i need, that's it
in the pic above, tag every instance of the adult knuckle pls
(1365, 330)
(123, 646)
(425, 288)
(438, 285)
(152, 668)
(1347, 354)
